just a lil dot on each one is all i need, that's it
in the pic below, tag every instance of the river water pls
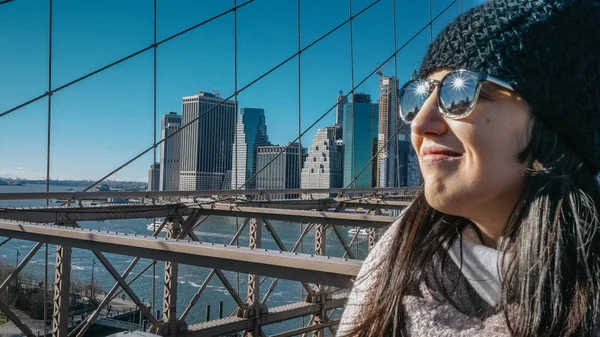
(214, 229)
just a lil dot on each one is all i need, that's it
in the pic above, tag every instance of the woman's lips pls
(438, 157)
(436, 154)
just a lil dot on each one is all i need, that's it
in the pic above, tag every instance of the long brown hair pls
(550, 284)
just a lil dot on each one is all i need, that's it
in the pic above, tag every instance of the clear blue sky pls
(105, 120)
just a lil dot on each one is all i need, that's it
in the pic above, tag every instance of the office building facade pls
(284, 170)
(251, 132)
(154, 177)
(387, 158)
(170, 151)
(323, 165)
(207, 144)
(360, 142)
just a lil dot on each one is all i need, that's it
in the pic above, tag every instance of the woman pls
(504, 239)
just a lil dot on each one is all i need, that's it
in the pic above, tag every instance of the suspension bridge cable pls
(358, 85)
(352, 90)
(228, 98)
(154, 146)
(395, 102)
(430, 24)
(299, 127)
(121, 60)
(299, 97)
(235, 90)
(5, 1)
(48, 158)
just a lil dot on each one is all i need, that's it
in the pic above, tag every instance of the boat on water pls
(151, 226)
(360, 231)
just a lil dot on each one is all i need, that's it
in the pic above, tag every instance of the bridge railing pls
(324, 267)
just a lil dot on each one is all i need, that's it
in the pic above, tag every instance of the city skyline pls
(119, 123)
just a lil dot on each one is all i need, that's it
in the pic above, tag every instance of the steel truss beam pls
(4, 307)
(171, 272)
(85, 325)
(309, 328)
(93, 213)
(16, 320)
(210, 275)
(323, 204)
(134, 211)
(355, 220)
(254, 311)
(20, 267)
(276, 314)
(62, 282)
(398, 191)
(332, 271)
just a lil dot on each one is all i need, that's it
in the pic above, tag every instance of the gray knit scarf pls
(477, 293)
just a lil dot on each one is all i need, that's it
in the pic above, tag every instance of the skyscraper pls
(413, 172)
(153, 177)
(207, 144)
(251, 132)
(360, 141)
(170, 150)
(282, 173)
(387, 159)
(323, 165)
(339, 114)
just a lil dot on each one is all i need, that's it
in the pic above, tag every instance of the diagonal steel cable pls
(5, 1)
(352, 90)
(121, 60)
(231, 96)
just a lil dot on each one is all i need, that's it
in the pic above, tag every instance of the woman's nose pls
(429, 120)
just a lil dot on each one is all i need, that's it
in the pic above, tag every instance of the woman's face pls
(469, 165)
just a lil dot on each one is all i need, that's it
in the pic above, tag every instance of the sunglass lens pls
(412, 97)
(457, 93)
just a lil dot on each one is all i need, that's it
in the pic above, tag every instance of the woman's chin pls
(442, 201)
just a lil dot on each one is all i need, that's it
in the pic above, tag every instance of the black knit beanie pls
(548, 50)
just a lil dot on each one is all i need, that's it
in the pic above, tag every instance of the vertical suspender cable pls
(235, 92)
(352, 105)
(430, 24)
(352, 95)
(154, 141)
(299, 131)
(395, 104)
(299, 102)
(48, 157)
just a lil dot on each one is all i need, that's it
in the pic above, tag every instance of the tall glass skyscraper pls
(207, 144)
(169, 152)
(251, 132)
(361, 119)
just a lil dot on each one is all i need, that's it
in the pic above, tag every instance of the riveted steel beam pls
(336, 272)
